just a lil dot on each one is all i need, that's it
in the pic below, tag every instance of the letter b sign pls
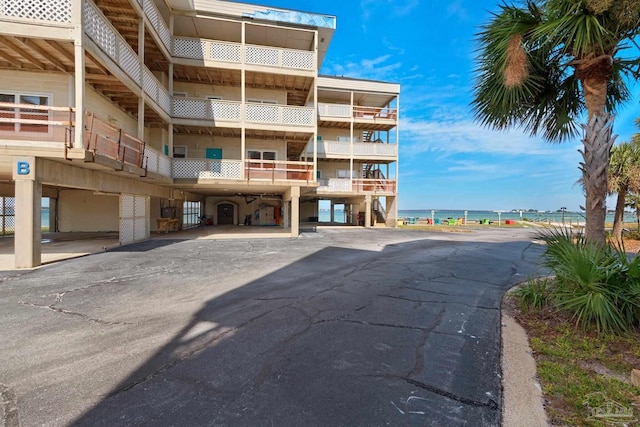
(23, 168)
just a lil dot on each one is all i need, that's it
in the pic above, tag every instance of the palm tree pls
(624, 178)
(540, 66)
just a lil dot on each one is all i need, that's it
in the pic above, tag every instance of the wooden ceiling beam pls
(46, 55)
(26, 55)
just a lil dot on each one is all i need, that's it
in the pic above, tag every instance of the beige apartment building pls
(137, 116)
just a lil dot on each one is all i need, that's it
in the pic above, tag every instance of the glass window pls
(269, 155)
(21, 115)
(179, 151)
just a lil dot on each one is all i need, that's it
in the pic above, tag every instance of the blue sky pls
(447, 161)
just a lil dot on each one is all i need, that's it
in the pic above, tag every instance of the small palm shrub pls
(598, 285)
(534, 295)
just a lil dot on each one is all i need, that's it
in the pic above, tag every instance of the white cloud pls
(373, 69)
(465, 136)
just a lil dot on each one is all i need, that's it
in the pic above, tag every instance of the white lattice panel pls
(338, 148)
(126, 219)
(49, 10)
(228, 52)
(96, 27)
(335, 110)
(225, 169)
(189, 108)
(140, 229)
(126, 231)
(263, 113)
(298, 59)
(387, 149)
(189, 48)
(297, 116)
(140, 207)
(152, 160)
(262, 56)
(164, 99)
(364, 149)
(126, 206)
(164, 166)
(185, 168)
(150, 84)
(158, 23)
(222, 110)
(342, 185)
(128, 60)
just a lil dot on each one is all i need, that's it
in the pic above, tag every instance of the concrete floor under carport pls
(66, 245)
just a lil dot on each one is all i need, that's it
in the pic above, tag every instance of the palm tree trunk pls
(597, 141)
(618, 221)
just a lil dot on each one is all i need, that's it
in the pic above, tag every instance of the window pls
(180, 94)
(180, 151)
(344, 173)
(214, 98)
(262, 101)
(22, 114)
(270, 156)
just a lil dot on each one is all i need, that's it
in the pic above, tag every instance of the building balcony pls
(359, 150)
(230, 112)
(249, 170)
(376, 118)
(383, 187)
(233, 53)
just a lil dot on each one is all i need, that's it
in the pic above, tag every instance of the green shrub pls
(534, 295)
(632, 235)
(598, 285)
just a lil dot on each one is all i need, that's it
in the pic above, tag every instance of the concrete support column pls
(28, 232)
(392, 211)
(367, 210)
(286, 212)
(293, 196)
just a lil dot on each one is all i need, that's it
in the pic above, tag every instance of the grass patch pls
(579, 370)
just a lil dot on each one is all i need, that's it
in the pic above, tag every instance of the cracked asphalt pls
(341, 327)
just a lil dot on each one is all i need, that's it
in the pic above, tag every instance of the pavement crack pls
(418, 366)
(490, 404)
(73, 313)
(9, 404)
(481, 307)
(384, 325)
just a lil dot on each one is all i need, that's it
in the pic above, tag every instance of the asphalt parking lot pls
(340, 327)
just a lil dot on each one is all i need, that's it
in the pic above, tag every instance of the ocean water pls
(472, 215)
(476, 215)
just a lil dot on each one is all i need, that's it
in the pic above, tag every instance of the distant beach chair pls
(437, 221)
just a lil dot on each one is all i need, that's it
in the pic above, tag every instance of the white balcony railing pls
(254, 170)
(158, 24)
(197, 108)
(279, 114)
(156, 162)
(58, 11)
(358, 112)
(276, 170)
(345, 185)
(334, 110)
(207, 169)
(360, 149)
(214, 50)
(107, 38)
(208, 50)
(335, 185)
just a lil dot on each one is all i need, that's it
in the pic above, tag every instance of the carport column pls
(28, 232)
(392, 211)
(293, 196)
(367, 210)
